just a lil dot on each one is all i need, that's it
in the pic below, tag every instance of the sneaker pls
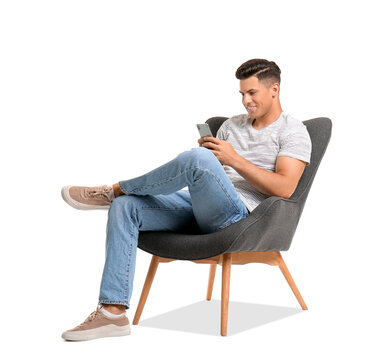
(88, 198)
(98, 325)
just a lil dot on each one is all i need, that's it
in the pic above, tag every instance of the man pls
(254, 156)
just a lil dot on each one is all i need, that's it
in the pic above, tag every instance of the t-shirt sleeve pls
(222, 132)
(296, 143)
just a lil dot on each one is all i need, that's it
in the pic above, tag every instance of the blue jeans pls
(155, 201)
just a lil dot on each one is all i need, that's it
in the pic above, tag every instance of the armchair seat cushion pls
(267, 228)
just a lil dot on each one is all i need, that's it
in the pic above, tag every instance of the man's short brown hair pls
(266, 71)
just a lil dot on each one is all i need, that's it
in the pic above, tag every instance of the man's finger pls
(211, 139)
(210, 145)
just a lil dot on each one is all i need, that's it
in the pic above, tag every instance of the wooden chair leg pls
(226, 276)
(291, 282)
(212, 273)
(146, 288)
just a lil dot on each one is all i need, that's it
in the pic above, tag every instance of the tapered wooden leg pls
(226, 276)
(146, 288)
(291, 283)
(212, 273)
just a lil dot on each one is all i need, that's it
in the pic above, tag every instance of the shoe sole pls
(103, 331)
(76, 204)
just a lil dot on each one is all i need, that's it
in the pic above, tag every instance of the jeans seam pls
(166, 209)
(222, 187)
(164, 181)
(230, 222)
(129, 269)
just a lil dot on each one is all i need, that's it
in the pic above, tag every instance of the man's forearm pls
(268, 183)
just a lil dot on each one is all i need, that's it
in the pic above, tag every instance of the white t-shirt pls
(286, 136)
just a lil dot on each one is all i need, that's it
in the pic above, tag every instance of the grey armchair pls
(259, 237)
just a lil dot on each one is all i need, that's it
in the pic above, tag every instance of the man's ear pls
(275, 88)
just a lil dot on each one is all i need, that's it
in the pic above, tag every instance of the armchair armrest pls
(269, 227)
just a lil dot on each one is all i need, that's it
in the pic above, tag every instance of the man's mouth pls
(251, 108)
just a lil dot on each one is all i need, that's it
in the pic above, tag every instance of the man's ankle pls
(114, 308)
(117, 190)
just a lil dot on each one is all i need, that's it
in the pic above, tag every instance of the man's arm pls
(281, 183)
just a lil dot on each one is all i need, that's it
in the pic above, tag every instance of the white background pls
(92, 92)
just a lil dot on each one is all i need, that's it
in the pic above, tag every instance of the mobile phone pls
(204, 130)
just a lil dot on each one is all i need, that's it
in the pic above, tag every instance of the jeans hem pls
(114, 302)
(122, 188)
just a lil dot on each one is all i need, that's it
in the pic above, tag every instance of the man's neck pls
(267, 119)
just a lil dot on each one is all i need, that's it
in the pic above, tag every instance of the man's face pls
(257, 98)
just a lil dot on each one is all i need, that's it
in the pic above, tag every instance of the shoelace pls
(99, 192)
(92, 316)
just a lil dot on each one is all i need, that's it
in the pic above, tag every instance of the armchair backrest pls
(320, 134)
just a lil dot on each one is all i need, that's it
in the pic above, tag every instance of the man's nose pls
(246, 99)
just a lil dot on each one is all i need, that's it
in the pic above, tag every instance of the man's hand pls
(223, 150)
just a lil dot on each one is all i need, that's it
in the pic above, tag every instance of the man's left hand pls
(223, 150)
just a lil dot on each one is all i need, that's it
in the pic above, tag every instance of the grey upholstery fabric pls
(269, 227)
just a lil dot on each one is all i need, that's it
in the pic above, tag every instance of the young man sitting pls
(255, 155)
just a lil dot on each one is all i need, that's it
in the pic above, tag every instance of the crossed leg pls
(155, 201)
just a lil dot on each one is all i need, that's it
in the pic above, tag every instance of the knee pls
(121, 206)
(200, 157)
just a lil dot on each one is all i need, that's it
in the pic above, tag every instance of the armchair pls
(260, 237)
